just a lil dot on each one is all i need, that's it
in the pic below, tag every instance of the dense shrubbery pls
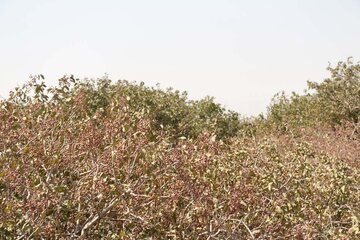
(334, 101)
(101, 160)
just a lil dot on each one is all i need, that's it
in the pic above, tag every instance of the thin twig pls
(98, 216)
(248, 229)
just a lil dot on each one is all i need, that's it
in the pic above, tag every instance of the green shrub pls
(335, 101)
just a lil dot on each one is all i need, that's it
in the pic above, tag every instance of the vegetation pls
(334, 101)
(92, 159)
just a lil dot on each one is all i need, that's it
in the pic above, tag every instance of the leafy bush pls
(334, 101)
(94, 159)
(339, 95)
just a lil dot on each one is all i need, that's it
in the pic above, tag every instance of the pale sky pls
(241, 52)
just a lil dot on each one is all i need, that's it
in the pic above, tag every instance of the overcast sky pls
(241, 52)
